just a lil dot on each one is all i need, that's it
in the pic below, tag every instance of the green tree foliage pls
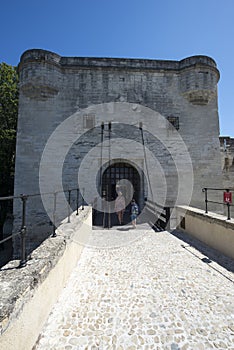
(8, 123)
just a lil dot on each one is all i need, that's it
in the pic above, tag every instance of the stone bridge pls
(124, 288)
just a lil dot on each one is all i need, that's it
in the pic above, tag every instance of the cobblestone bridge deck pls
(140, 289)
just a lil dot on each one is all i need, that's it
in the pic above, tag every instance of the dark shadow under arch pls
(111, 174)
(118, 171)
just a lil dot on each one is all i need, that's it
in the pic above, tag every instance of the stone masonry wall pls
(227, 156)
(90, 91)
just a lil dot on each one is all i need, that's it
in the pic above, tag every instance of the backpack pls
(135, 209)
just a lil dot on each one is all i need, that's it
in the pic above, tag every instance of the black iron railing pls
(160, 214)
(23, 229)
(227, 199)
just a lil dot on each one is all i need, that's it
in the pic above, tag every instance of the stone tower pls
(66, 106)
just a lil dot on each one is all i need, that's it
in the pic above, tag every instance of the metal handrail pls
(163, 219)
(206, 189)
(154, 203)
(23, 230)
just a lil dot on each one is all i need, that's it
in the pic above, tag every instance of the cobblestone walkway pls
(153, 292)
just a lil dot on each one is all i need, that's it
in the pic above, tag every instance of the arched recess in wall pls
(113, 173)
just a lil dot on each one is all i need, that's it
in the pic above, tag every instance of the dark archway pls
(110, 177)
(119, 171)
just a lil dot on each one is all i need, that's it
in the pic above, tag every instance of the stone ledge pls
(208, 217)
(18, 286)
(211, 228)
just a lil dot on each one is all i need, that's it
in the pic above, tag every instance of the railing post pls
(108, 208)
(83, 198)
(69, 206)
(109, 216)
(77, 201)
(228, 207)
(23, 260)
(109, 163)
(168, 215)
(206, 199)
(228, 216)
(104, 208)
(54, 215)
(94, 210)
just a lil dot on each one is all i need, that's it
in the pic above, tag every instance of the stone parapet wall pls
(212, 229)
(198, 75)
(39, 55)
(28, 294)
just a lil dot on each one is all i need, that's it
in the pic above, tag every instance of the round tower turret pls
(39, 74)
(198, 79)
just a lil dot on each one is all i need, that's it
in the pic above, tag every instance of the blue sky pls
(156, 29)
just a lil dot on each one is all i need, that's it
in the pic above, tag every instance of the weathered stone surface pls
(96, 90)
(227, 157)
(18, 285)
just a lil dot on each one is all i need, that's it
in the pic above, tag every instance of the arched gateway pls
(112, 180)
(116, 172)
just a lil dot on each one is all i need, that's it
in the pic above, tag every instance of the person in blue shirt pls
(134, 212)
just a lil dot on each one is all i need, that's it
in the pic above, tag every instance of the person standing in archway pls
(134, 212)
(120, 207)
